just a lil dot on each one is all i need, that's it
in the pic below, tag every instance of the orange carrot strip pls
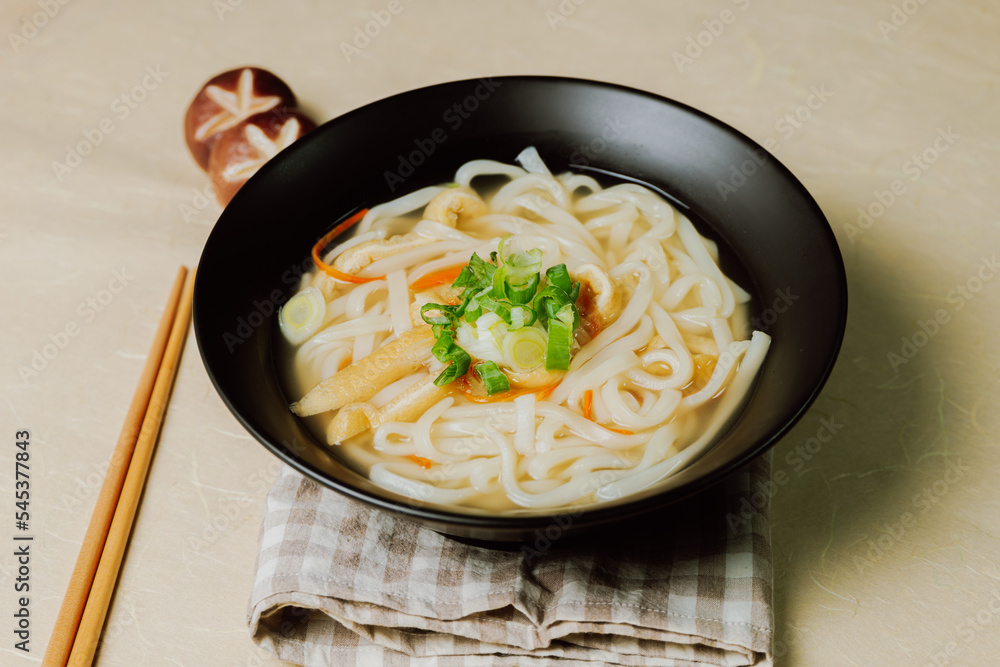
(435, 278)
(588, 402)
(325, 241)
(545, 391)
(505, 395)
(420, 461)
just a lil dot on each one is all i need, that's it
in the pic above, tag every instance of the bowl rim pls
(600, 513)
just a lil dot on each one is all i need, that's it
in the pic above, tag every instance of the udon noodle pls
(655, 363)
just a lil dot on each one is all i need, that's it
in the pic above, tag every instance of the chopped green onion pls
(480, 270)
(521, 316)
(574, 294)
(552, 299)
(548, 302)
(493, 378)
(523, 294)
(560, 339)
(497, 306)
(523, 266)
(473, 310)
(499, 283)
(446, 350)
(482, 339)
(465, 277)
(447, 316)
(524, 349)
(532, 322)
(303, 315)
(558, 275)
(453, 372)
(442, 349)
(525, 262)
(517, 275)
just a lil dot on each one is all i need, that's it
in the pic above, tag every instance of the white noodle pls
(394, 389)
(573, 182)
(519, 226)
(644, 417)
(357, 239)
(355, 303)
(695, 245)
(399, 301)
(409, 258)
(422, 440)
(532, 161)
(334, 361)
(363, 346)
(503, 200)
(396, 207)
(524, 438)
(577, 380)
(637, 305)
(349, 329)
(562, 220)
(709, 291)
(470, 170)
(650, 414)
(452, 259)
(411, 488)
(653, 474)
(444, 232)
(564, 494)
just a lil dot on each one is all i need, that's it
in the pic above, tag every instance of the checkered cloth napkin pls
(338, 583)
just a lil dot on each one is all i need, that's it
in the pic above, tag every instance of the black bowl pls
(773, 237)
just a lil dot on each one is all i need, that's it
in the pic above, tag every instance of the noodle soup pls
(552, 344)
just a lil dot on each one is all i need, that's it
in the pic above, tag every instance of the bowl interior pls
(774, 239)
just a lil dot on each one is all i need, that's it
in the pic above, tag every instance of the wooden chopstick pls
(165, 343)
(89, 633)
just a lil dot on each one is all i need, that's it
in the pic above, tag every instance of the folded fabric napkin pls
(339, 583)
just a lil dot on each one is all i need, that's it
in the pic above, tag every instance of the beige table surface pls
(886, 510)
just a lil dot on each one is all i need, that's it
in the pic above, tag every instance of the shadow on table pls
(844, 504)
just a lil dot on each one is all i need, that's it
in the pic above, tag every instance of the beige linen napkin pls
(339, 583)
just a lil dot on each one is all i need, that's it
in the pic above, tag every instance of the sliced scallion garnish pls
(303, 315)
(524, 349)
(445, 350)
(560, 340)
(558, 276)
(539, 314)
(492, 377)
(445, 317)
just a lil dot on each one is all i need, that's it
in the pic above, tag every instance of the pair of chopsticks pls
(81, 618)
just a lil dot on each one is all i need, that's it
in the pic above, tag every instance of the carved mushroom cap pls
(228, 99)
(241, 150)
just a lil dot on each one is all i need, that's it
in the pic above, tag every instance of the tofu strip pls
(367, 376)
(354, 259)
(356, 418)
(607, 296)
